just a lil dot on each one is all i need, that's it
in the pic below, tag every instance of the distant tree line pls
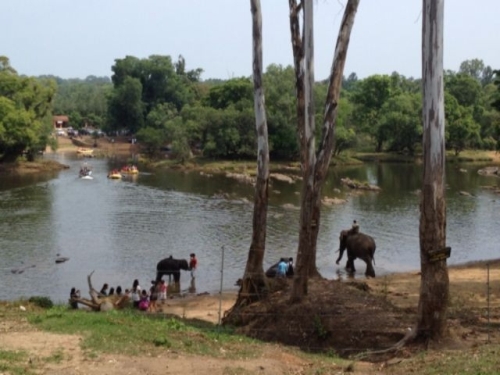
(162, 103)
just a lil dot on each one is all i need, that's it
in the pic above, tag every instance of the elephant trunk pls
(341, 251)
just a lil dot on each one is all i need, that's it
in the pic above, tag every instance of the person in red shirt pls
(193, 263)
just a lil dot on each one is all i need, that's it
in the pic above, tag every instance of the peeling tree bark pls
(434, 286)
(314, 165)
(254, 284)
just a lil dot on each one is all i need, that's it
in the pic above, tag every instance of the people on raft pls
(85, 171)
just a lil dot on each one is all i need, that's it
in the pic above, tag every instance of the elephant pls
(273, 270)
(171, 266)
(358, 245)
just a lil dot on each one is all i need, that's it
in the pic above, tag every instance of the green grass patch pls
(469, 156)
(479, 361)
(56, 357)
(125, 331)
(14, 362)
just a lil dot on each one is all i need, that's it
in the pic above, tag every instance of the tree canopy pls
(164, 103)
(25, 113)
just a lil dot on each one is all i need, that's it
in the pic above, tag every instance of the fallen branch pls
(100, 303)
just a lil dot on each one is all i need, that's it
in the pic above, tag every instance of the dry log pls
(98, 303)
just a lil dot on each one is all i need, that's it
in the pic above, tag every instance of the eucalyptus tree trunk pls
(254, 284)
(314, 165)
(434, 286)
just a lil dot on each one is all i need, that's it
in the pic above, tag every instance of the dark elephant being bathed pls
(358, 245)
(170, 266)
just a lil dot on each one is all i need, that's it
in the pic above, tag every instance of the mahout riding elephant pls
(273, 270)
(171, 266)
(358, 245)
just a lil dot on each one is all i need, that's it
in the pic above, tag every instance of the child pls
(135, 293)
(163, 291)
(193, 263)
(74, 294)
(153, 295)
(144, 301)
(104, 290)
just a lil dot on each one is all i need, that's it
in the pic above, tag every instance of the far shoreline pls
(120, 148)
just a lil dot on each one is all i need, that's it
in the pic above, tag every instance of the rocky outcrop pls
(281, 177)
(240, 177)
(332, 201)
(358, 185)
(489, 171)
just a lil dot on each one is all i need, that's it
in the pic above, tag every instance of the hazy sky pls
(74, 38)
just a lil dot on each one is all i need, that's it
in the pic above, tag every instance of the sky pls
(75, 39)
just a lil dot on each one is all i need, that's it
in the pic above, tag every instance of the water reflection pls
(121, 228)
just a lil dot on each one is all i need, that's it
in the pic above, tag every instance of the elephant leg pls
(370, 271)
(350, 265)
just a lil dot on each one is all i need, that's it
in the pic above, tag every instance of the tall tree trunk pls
(298, 59)
(434, 286)
(315, 166)
(254, 284)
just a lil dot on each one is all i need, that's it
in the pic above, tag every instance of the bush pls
(43, 302)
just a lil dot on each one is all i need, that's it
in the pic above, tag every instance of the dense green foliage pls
(83, 101)
(25, 113)
(163, 104)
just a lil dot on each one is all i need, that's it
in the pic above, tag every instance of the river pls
(121, 228)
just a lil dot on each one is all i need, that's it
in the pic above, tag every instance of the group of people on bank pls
(146, 299)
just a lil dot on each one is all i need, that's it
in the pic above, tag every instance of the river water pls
(121, 228)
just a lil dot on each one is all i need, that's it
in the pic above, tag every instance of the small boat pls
(129, 169)
(85, 173)
(84, 151)
(114, 174)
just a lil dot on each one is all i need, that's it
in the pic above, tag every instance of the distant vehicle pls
(61, 132)
(84, 132)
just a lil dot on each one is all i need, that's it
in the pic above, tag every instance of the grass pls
(14, 362)
(123, 332)
(480, 361)
(469, 156)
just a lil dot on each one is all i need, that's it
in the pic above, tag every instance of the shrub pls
(43, 302)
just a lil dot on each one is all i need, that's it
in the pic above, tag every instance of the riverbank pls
(120, 148)
(64, 341)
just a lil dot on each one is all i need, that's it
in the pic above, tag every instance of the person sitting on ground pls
(144, 301)
(104, 290)
(111, 291)
(118, 290)
(73, 295)
(282, 268)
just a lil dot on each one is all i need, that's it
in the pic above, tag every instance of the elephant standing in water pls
(358, 245)
(170, 266)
